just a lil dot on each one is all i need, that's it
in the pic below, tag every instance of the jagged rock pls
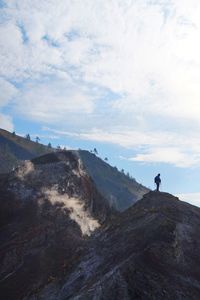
(151, 251)
(48, 207)
(60, 239)
(118, 189)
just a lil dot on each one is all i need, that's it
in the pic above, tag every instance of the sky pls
(119, 75)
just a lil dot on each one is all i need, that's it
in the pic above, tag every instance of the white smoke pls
(77, 210)
(25, 168)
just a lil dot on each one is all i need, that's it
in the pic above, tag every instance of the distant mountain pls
(14, 148)
(119, 189)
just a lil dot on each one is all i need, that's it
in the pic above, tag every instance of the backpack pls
(157, 179)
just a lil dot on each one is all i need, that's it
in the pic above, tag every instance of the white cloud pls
(6, 122)
(174, 150)
(144, 53)
(52, 101)
(169, 155)
(192, 198)
(8, 91)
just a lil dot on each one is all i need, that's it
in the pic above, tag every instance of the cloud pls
(49, 101)
(6, 122)
(175, 149)
(192, 198)
(8, 91)
(169, 155)
(122, 72)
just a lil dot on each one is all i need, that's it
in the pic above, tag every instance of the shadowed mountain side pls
(14, 148)
(120, 190)
(150, 252)
(61, 240)
(48, 207)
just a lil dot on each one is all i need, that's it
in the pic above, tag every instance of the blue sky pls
(121, 76)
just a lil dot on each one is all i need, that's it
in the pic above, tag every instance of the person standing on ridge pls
(157, 181)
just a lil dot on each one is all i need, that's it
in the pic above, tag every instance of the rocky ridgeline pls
(61, 240)
(151, 251)
(48, 208)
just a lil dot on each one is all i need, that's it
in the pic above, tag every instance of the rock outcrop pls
(61, 240)
(48, 208)
(118, 189)
(151, 251)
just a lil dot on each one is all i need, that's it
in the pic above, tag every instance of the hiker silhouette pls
(157, 181)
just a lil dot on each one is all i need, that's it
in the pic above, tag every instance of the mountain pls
(151, 251)
(61, 240)
(48, 208)
(14, 148)
(120, 190)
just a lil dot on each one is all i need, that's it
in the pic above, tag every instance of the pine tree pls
(95, 151)
(28, 137)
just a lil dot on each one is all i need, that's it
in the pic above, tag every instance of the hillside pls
(14, 148)
(60, 240)
(48, 208)
(120, 190)
(149, 252)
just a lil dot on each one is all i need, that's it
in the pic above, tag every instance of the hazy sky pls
(119, 75)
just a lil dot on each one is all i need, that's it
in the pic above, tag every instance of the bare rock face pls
(119, 189)
(60, 240)
(48, 208)
(151, 251)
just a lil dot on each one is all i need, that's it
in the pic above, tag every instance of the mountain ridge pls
(14, 149)
(120, 190)
(47, 211)
(62, 239)
(149, 251)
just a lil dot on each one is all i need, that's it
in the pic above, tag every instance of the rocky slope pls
(48, 208)
(151, 251)
(119, 190)
(60, 239)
